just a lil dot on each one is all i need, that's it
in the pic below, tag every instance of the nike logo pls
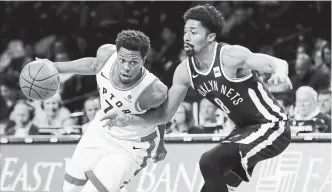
(102, 74)
(194, 76)
(136, 148)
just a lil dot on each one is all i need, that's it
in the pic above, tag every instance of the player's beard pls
(190, 52)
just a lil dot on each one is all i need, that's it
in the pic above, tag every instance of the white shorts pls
(108, 162)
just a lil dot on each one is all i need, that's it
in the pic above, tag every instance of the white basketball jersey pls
(122, 100)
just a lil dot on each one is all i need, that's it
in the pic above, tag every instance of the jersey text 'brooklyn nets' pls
(245, 100)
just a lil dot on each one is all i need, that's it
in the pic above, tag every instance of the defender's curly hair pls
(208, 15)
(133, 40)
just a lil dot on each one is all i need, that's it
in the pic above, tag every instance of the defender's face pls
(195, 37)
(129, 64)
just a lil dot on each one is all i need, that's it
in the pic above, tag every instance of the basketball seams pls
(46, 78)
(40, 77)
(32, 90)
(38, 86)
(33, 79)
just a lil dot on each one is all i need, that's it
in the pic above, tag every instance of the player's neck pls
(205, 57)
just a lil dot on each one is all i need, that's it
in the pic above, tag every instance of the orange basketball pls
(39, 80)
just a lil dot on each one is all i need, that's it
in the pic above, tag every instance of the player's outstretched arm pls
(241, 57)
(87, 65)
(160, 114)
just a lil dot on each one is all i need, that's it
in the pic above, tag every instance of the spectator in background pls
(307, 117)
(208, 117)
(91, 107)
(8, 97)
(324, 102)
(321, 78)
(53, 113)
(326, 54)
(170, 67)
(286, 102)
(21, 120)
(182, 121)
(302, 71)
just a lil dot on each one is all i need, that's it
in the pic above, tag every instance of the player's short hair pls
(133, 40)
(208, 15)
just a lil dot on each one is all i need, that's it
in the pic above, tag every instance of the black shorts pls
(257, 143)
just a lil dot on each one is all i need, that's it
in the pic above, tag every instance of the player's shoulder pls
(235, 50)
(154, 95)
(233, 55)
(181, 74)
(106, 50)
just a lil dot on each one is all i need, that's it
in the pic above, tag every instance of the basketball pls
(39, 80)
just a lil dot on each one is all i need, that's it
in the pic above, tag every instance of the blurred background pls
(299, 32)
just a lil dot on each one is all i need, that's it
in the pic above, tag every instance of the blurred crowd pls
(299, 32)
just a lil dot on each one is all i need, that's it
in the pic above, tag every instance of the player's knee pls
(207, 163)
(68, 187)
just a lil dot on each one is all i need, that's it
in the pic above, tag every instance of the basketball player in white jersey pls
(106, 158)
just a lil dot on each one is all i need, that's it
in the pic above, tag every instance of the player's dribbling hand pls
(160, 153)
(115, 119)
(280, 78)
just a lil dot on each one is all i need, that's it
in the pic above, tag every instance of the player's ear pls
(144, 59)
(211, 37)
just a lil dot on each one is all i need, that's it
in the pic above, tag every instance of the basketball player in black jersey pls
(227, 76)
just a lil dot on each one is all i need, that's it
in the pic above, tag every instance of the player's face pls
(195, 37)
(91, 108)
(129, 64)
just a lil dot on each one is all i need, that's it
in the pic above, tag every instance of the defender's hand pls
(160, 153)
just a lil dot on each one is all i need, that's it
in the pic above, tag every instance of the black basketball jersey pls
(245, 100)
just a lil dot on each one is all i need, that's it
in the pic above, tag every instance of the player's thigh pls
(114, 170)
(87, 154)
(222, 155)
